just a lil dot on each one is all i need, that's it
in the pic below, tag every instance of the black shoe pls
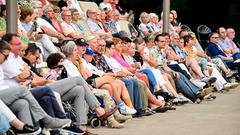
(30, 130)
(146, 113)
(73, 129)
(11, 132)
(160, 109)
(167, 97)
(213, 97)
(137, 114)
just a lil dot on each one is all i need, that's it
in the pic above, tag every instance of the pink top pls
(120, 60)
(51, 75)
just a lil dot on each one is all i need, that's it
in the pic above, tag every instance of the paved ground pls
(218, 117)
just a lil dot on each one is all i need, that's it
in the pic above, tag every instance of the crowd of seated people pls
(88, 60)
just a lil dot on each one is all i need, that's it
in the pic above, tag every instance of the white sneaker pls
(127, 110)
(228, 86)
(198, 83)
(237, 61)
(184, 99)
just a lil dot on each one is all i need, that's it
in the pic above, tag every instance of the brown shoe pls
(107, 113)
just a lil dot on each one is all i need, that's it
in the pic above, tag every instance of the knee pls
(78, 90)
(23, 90)
(77, 80)
(20, 105)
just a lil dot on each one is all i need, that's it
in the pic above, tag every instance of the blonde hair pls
(143, 14)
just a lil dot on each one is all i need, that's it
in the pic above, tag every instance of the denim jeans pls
(186, 87)
(151, 78)
(47, 100)
(177, 68)
(134, 92)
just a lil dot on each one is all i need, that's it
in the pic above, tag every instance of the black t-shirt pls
(138, 57)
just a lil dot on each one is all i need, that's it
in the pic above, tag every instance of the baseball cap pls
(81, 42)
(89, 51)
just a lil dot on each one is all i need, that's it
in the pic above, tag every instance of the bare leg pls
(170, 81)
(153, 100)
(17, 124)
(103, 80)
(170, 88)
(194, 66)
(107, 87)
(224, 69)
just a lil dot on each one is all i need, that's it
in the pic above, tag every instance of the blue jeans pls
(186, 87)
(134, 92)
(151, 79)
(47, 100)
(177, 68)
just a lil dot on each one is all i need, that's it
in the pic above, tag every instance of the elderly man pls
(95, 26)
(226, 42)
(69, 29)
(215, 50)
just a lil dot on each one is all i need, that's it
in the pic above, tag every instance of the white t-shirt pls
(92, 68)
(41, 22)
(3, 85)
(69, 28)
(147, 54)
(113, 64)
(11, 68)
(71, 69)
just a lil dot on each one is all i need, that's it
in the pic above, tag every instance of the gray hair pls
(68, 48)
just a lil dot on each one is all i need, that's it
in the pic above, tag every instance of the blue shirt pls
(214, 50)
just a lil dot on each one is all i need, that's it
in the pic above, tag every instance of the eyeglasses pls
(214, 37)
(162, 41)
(16, 44)
(101, 45)
(56, 10)
(58, 66)
(5, 56)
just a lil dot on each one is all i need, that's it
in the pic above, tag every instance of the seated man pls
(21, 101)
(69, 29)
(95, 26)
(226, 42)
(215, 50)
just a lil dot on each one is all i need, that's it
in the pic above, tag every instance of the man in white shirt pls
(20, 100)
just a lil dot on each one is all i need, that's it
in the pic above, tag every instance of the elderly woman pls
(143, 27)
(71, 52)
